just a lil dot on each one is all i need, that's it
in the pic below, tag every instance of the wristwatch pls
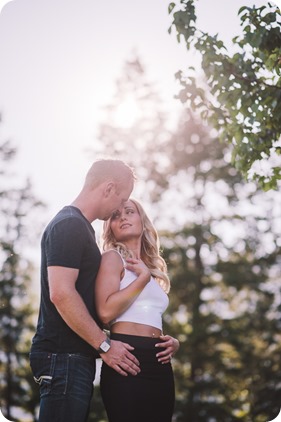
(105, 346)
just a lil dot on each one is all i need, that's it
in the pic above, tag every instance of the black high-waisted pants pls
(146, 397)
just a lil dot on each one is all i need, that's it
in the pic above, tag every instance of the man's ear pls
(109, 188)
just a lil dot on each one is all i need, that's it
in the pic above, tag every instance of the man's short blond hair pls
(107, 169)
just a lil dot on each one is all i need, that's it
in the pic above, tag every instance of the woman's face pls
(126, 222)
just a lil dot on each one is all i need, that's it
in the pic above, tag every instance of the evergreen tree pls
(136, 125)
(18, 210)
(221, 285)
(221, 245)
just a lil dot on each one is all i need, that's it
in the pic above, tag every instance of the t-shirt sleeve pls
(65, 243)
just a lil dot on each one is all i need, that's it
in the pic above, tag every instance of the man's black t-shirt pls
(68, 241)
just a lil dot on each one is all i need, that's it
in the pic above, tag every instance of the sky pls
(59, 60)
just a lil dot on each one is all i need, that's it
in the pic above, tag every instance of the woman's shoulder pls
(113, 255)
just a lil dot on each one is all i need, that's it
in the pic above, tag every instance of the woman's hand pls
(112, 301)
(138, 267)
(170, 346)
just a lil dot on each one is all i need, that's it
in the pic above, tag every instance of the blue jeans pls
(66, 385)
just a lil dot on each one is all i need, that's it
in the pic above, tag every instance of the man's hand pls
(119, 358)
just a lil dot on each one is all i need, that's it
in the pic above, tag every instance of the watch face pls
(105, 346)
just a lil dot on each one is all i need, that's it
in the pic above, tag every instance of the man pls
(69, 337)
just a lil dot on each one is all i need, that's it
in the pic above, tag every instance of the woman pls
(131, 296)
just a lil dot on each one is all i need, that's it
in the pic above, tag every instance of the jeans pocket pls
(42, 366)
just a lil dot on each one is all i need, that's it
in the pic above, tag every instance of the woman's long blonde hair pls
(150, 247)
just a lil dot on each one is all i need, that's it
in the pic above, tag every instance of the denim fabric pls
(66, 385)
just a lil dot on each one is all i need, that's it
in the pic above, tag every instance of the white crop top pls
(149, 305)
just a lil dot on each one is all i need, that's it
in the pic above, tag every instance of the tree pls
(134, 123)
(18, 208)
(241, 92)
(220, 238)
(221, 265)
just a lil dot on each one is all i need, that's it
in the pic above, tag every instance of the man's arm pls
(74, 312)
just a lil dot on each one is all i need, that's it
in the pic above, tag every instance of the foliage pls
(221, 265)
(97, 410)
(142, 126)
(221, 240)
(222, 245)
(16, 312)
(227, 367)
(241, 93)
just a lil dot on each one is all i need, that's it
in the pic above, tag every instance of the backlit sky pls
(59, 60)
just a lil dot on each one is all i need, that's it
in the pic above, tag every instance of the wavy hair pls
(150, 247)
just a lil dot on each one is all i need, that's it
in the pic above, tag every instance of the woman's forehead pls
(129, 204)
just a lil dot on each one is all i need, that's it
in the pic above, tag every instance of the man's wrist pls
(104, 346)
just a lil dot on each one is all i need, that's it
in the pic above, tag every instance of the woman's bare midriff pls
(135, 329)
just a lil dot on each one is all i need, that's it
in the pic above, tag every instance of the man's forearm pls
(74, 312)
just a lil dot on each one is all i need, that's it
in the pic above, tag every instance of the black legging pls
(146, 397)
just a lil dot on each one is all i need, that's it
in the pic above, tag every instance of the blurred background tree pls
(221, 239)
(18, 229)
(223, 263)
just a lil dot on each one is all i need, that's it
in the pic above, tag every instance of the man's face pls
(119, 195)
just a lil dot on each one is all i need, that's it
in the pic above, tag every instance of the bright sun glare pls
(126, 113)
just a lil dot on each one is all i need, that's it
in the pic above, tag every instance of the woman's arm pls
(110, 300)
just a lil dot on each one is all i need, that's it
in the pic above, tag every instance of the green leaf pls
(171, 7)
